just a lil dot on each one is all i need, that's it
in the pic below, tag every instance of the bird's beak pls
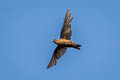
(54, 41)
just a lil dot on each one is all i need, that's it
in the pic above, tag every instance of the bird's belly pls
(63, 42)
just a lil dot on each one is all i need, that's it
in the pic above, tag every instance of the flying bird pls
(64, 41)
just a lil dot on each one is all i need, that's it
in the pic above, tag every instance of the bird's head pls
(55, 41)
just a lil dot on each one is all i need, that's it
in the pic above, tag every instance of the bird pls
(64, 41)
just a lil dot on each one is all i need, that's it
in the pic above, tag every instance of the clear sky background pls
(27, 28)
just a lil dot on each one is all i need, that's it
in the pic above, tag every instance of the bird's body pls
(64, 41)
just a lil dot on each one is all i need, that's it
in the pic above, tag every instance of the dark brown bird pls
(64, 42)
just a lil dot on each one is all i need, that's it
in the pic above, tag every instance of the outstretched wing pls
(66, 29)
(59, 51)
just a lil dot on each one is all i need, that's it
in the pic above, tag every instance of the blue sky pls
(27, 28)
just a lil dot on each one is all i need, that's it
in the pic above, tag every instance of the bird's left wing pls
(59, 51)
(66, 29)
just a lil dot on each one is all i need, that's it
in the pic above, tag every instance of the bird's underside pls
(64, 42)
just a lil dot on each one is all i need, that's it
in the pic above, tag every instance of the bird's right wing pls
(59, 51)
(66, 29)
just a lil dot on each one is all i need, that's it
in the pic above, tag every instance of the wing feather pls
(59, 51)
(66, 31)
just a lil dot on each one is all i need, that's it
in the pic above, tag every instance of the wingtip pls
(47, 67)
(68, 13)
(68, 9)
(52, 62)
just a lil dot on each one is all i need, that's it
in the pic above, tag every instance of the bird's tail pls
(78, 46)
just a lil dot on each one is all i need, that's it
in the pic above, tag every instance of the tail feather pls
(78, 46)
